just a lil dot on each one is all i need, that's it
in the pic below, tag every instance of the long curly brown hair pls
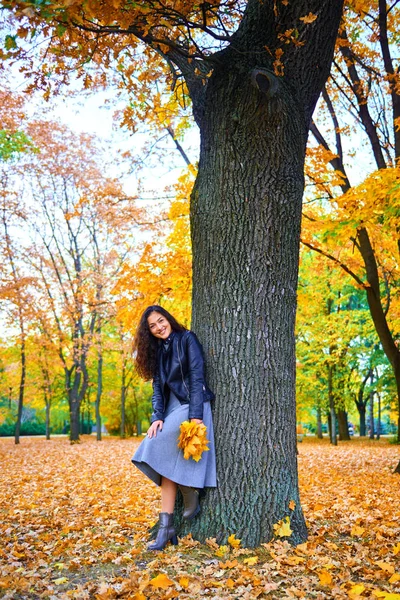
(146, 344)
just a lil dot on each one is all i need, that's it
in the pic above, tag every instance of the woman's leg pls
(168, 495)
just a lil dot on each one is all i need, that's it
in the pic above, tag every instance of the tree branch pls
(337, 261)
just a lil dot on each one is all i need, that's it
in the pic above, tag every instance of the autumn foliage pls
(76, 520)
(193, 440)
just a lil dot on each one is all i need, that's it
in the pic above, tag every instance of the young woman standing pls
(172, 357)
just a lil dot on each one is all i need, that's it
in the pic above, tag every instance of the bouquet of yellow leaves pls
(192, 440)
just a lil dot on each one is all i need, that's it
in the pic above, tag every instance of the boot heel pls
(174, 540)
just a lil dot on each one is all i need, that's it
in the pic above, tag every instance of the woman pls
(172, 357)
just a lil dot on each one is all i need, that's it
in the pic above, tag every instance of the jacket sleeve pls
(195, 361)
(157, 401)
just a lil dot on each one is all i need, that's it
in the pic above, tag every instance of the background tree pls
(360, 233)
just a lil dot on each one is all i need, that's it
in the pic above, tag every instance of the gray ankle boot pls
(166, 532)
(190, 501)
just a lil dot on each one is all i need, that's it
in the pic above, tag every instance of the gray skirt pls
(160, 456)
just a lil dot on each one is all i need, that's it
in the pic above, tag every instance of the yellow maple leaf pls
(282, 528)
(357, 531)
(222, 550)
(61, 580)
(192, 440)
(294, 560)
(252, 560)
(356, 590)
(325, 578)
(387, 567)
(161, 581)
(292, 505)
(394, 578)
(229, 564)
(310, 18)
(396, 549)
(233, 541)
(386, 595)
(184, 582)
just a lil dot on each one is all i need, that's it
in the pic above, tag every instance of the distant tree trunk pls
(371, 409)
(343, 425)
(362, 404)
(47, 404)
(379, 423)
(99, 390)
(371, 416)
(123, 399)
(21, 388)
(76, 393)
(88, 419)
(332, 412)
(319, 424)
(74, 420)
(19, 303)
(362, 414)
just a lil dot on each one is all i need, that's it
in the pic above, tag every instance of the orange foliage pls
(76, 521)
(163, 274)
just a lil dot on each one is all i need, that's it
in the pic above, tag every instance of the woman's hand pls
(154, 427)
(197, 421)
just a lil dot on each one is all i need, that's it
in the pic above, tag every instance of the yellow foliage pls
(357, 530)
(232, 541)
(103, 509)
(356, 590)
(325, 578)
(252, 560)
(161, 581)
(222, 550)
(192, 440)
(282, 528)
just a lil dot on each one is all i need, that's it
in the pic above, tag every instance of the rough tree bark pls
(245, 219)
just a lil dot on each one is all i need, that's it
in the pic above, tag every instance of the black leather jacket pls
(185, 377)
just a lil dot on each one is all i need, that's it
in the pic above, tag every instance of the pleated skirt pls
(160, 456)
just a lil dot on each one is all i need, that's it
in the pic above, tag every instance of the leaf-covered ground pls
(74, 523)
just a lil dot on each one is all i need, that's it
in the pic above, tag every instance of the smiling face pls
(159, 326)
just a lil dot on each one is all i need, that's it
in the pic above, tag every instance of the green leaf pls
(10, 43)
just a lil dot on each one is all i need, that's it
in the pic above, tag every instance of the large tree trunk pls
(246, 212)
(245, 219)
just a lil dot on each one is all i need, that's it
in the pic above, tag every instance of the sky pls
(91, 114)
